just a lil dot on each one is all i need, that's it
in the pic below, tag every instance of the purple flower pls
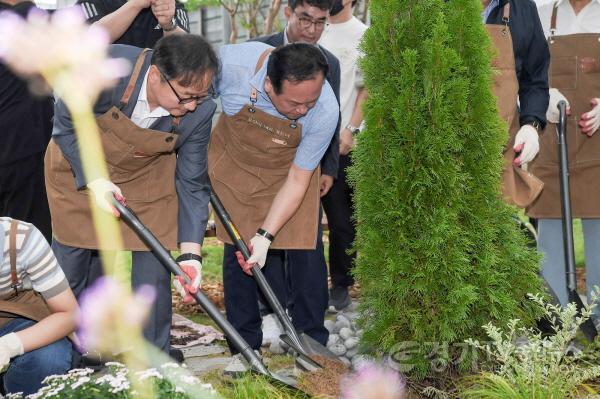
(373, 381)
(108, 312)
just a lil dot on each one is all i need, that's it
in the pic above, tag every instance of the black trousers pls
(342, 230)
(83, 266)
(307, 293)
(23, 193)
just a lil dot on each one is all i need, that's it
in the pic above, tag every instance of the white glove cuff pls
(13, 344)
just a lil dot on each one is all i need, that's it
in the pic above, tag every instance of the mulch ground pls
(324, 383)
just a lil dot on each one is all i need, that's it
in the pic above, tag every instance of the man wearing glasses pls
(155, 127)
(306, 21)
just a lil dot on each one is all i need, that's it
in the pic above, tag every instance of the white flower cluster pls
(117, 382)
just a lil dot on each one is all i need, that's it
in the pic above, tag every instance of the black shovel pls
(304, 345)
(588, 328)
(164, 256)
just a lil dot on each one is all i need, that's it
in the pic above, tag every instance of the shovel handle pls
(261, 281)
(164, 256)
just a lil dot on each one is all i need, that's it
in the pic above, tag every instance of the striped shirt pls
(37, 267)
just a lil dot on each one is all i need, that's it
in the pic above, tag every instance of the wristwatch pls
(188, 256)
(537, 126)
(170, 28)
(353, 129)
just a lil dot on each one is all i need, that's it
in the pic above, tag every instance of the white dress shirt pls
(567, 22)
(142, 116)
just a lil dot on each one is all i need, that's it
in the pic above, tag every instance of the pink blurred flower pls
(61, 48)
(106, 310)
(372, 381)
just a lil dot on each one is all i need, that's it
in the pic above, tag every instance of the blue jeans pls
(26, 372)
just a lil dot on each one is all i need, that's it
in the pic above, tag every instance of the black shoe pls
(339, 299)
(177, 355)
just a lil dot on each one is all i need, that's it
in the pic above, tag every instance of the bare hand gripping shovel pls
(164, 256)
(588, 328)
(302, 344)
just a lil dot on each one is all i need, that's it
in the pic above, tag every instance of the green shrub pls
(538, 367)
(438, 252)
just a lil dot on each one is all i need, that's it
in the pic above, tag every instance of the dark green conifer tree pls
(439, 254)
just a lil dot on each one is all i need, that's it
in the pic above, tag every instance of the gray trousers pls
(550, 244)
(83, 266)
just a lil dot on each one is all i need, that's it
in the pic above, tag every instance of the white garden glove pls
(552, 114)
(10, 346)
(527, 143)
(590, 121)
(259, 246)
(100, 188)
(193, 268)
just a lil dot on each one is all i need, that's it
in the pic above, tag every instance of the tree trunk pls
(273, 13)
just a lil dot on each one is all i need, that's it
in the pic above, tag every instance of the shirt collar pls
(560, 2)
(143, 98)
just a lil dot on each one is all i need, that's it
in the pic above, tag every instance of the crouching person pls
(37, 309)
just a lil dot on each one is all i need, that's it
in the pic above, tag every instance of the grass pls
(249, 386)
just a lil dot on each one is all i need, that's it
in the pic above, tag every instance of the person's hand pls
(100, 188)
(590, 121)
(164, 11)
(10, 346)
(259, 246)
(346, 141)
(193, 269)
(552, 114)
(527, 144)
(325, 184)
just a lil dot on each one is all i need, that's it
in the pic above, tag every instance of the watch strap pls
(188, 256)
(266, 234)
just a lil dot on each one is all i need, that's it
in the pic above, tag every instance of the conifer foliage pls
(439, 253)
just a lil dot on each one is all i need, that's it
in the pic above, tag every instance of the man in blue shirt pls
(279, 115)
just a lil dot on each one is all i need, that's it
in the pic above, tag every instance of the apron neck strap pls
(553, 20)
(12, 243)
(506, 14)
(133, 79)
(259, 64)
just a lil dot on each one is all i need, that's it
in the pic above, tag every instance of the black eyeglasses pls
(306, 22)
(187, 100)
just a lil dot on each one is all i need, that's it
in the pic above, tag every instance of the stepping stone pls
(200, 365)
(202, 350)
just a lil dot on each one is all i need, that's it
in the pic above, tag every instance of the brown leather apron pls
(140, 161)
(519, 187)
(249, 158)
(28, 303)
(575, 72)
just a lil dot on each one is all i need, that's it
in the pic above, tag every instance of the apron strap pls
(506, 14)
(134, 76)
(12, 242)
(553, 19)
(259, 64)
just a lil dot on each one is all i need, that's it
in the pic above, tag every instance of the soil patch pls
(325, 382)
(214, 292)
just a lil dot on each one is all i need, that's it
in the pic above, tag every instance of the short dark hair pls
(295, 62)
(185, 58)
(320, 4)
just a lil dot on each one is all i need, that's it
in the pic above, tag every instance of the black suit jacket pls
(331, 158)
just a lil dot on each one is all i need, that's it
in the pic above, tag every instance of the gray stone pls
(333, 339)
(343, 318)
(337, 349)
(276, 348)
(350, 353)
(341, 323)
(200, 365)
(346, 333)
(351, 343)
(346, 361)
(202, 350)
(330, 325)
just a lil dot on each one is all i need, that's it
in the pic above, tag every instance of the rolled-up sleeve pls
(191, 180)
